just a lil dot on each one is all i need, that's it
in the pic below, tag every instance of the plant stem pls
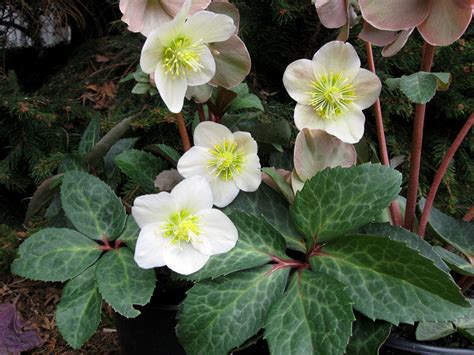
(440, 174)
(469, 215)
(183, 132)
(202, 116)
(417, 142)
(394, 207)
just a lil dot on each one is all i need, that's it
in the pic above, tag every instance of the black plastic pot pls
(410, 347)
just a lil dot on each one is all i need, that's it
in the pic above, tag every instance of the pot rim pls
(418, 348)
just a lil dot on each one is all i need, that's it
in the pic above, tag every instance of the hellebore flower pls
(392, 41)
(229, 161)
(440, 22)
(336, 14)
(331, 91)
(178, 55)
(181, 229)
(146, 15)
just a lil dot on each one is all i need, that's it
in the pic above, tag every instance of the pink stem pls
(183, 132)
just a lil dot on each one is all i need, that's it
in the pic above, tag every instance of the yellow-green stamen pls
(182, 55)
(227, 160)
(181, 226)
(331, 95)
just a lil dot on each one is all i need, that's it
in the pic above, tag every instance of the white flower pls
(181, 229)
(229, 161)
(177, 53)
(331, 91)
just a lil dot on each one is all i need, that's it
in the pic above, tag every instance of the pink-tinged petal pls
(193, 194)
(203, 76)
(167, 179)
(245, 143)
(285, 174)
(172, 7)
(149, 209)
(394, 15)
(184, 259)
(123, 5)
(209, 27)
(250, 177)
(336, 57)
(316, 150)
(150, 246)
(224, 192)
(133, 12)
(232, 62)
(217, 233)
(394, 47)
(332, 13)
(306, 117)
(172, 90)
(200, 93)
(154, 17)
(465, 3)
(367, 88)
(375, 36)
(446, 23)
(195, 162)
(209, 134)
(296, 183)
(226, 8)
(348, 127)
(297, 80)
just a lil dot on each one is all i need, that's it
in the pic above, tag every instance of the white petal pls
(150, 247)
(149, 209)
(296, 183)
(193, 194)
(209, 134)
(245, 142)
(250, 176)
(195, 162)
(306, 117)
(154, 17)
(172, 90)
(152, 52)
(200, 94)
(297, 80)
(224, 192)
(349, 127)
(367, 88)
(336, 57)
(217, 233)
(209, 27)
(205, 74)
(184, 259)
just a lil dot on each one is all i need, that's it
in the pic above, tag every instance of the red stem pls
(440, 174)
(417, 142)
(281, 264)
(469, 215)
(394, 207)
(202, 116)
(183, 132)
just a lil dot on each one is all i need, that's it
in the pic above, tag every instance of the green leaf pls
(90, 137)
(258, 242)
(122, 283)
(367, 336)
(43, 196)
(284, 187)
(427, 331)
(384, 279)
(455, 262)
(338, 200)
(221, 314)
(116, 149)
(467, 320)
(91, 206)
(246, 101)
(78, 312)
(141, 167)
(267, 204)
(55, 254)
(467, 333)
(169, 153)
(393, 83)
(130, 234)
(141, 88)
(314, 316)
(241, 89)
(459, 234)
(421, 87)
(410, 239)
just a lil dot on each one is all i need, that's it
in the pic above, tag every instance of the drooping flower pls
(146, 15)
(229, 161)
(336, 14)
(178, 54)
(391, 41)
(331, 91)
(181, 229)
(440, 22)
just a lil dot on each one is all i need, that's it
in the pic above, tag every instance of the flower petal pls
(245, 142)
(250, 176)
(199, 93)
(224, 192)
(195, 162)
(446, 22)
(209, 27)
(193, 194)
(184, 259)
(332, 13)
(154, 17)
(217, 233)
(149, 209)
(297, 80)
(296, 183)
(367, 87)
(133, 12)
(206, 73)
(306, 117)
(348, 127)
(152, 52)
(172, 90)
(395, 15)
(150, 247)
(394, 47)
(375, 36)
(172, 7)
(209, 134)
(336, 57)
